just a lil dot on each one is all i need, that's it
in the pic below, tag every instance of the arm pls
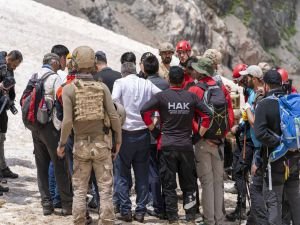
(112, 114)
(67, 123)
(147, 111)
(117, 92)
(203, 111)
(261, 129)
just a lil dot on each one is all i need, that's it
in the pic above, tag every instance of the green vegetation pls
(247, 13)
(288, 32)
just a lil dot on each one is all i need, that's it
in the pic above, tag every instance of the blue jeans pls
(135, 151)
(154, 181)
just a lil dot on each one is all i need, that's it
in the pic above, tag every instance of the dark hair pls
(151, 65)
(15, 55)
(145, 55)
(176, 75)
(192, 59)
(273, 79)
(60, 50)
(128, 57)
(101, 57)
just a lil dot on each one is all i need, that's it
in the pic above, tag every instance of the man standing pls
(8, 63)
(62, 51)
(132, 92)
(184, 51)
(282, 174)
(88, 109)
(176, 108)
(209, 153)
(105, 73)
(166, 51)
(45, 139)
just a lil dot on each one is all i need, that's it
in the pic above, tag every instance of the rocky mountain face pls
(243, 30)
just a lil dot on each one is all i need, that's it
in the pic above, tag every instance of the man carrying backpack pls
(209, 152)
(89, 110)
(45, 136)
(280, 172)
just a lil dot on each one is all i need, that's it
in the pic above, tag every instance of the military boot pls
(4, 189)
(48, 208)
(7, 173)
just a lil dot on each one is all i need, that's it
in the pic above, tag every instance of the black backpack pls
(214, 99)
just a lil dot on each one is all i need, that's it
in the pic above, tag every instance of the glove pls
(196, 138)
(155, 132)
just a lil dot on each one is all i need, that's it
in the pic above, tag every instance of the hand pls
(253, 169)
(234, 129)
(246, 106)
(61, 152)
(117, 150)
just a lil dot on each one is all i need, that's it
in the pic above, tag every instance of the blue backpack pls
(289, 108)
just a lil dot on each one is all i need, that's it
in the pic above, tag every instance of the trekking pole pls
(244, 177)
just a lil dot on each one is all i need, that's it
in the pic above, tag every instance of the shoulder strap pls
(46, 75)
(202, 85)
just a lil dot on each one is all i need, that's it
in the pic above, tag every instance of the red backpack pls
(35, 112)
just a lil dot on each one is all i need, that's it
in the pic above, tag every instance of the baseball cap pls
(254, 71)
(204, 66)
(101, 56)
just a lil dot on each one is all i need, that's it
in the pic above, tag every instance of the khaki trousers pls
(210, 168)
(87, 155)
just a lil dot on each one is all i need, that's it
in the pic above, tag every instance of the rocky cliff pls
(243, 30)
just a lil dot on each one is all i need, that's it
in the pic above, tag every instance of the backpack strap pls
(203, 86)
(46, 75)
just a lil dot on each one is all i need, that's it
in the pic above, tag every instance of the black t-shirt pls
(176, 108)
(108, 77)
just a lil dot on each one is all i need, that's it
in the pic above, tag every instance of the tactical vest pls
(89, 96)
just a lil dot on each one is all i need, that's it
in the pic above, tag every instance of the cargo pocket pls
(81, 150)
(107, 173)
(100, 151)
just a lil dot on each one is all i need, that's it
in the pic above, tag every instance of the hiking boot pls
(7, 173)
(237, 215)
(93, 203)
(125, 217)
(4, 189)
(139, 217)
(174, 222)
(190, 223)
(117, 209)
(48, 209)
(231, 190)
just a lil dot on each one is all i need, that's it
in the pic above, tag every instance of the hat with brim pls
(204, 66)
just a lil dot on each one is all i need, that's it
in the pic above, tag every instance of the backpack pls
(214, 99)
(35, 111)
(289, 109)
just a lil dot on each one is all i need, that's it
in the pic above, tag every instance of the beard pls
(167, 60)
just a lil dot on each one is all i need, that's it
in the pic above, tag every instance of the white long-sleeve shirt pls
(133, 92)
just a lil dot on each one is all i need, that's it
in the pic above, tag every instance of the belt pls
(135, 131)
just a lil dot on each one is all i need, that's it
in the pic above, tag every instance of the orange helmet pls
(284, 75)
(236, 71)
(183, 45)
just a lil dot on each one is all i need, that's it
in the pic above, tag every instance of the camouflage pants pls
(92, 154)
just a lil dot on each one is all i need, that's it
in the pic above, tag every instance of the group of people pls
(168, 125)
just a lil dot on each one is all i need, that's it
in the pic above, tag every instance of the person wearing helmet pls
(183, 52)
(89, 110)
(216, 57)
(166, 51)
(286, 82)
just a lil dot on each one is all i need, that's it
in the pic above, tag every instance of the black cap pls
(145, 55)
(101, 56)
(272, 77)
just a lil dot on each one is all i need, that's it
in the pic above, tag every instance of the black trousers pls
(45, 142)
(183, 163)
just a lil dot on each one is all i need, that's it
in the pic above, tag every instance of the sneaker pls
(117, 209)
(7, 173)
(237, 214)
(93, 203)
(66, 211)
(48, 208)
(4, 189)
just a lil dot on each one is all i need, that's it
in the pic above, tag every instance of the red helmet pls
(237, 69)
(183, 45)
(284, 75)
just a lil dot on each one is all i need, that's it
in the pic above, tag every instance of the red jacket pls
(200, 92)
(187, 79)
